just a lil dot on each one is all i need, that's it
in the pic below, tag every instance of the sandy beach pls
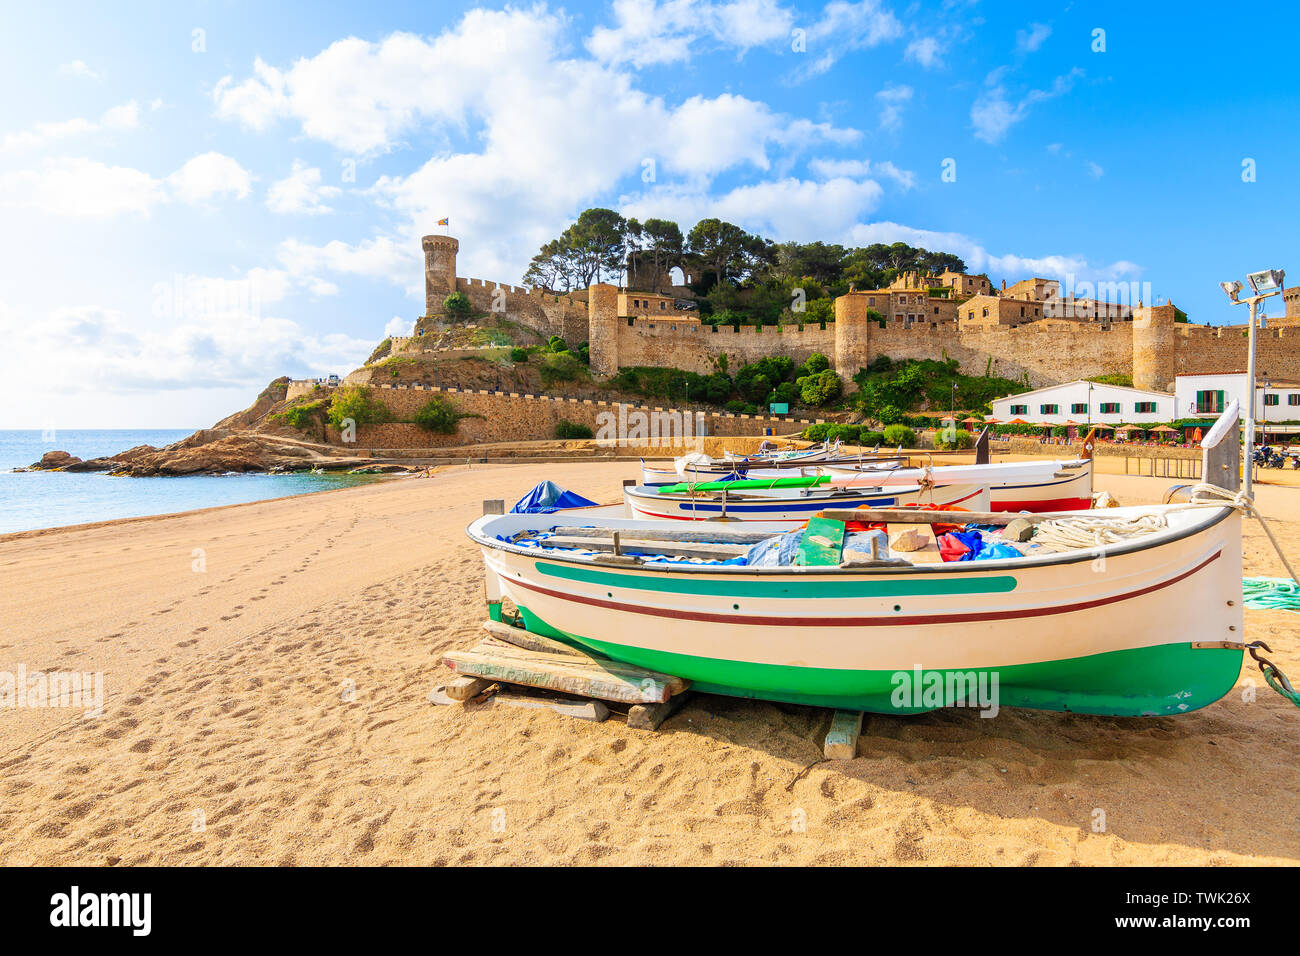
(266, 668)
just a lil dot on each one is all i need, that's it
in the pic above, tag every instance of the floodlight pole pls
(1248, 483)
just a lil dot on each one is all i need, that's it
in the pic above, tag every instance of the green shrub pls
(816, 432)
(458, 304)
(815, 363)
(567, 429)
(820, 388)
(356, 402)
(556, 344)
(560, 367)
(1060, 431)
(947, 440)
(889, 414)
(300, 416)
(845, 433)
(518, 355)
(868, 439)
(439, 415)
(900, 435)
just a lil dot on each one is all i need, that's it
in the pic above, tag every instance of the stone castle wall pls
(515, 416)
(696, 347)
(1152, 347)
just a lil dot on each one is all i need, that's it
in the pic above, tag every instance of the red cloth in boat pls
(940, 528)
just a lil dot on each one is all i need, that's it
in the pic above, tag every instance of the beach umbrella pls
(1163, 428)
(991, 421)
(1017, 421)
(971, 420)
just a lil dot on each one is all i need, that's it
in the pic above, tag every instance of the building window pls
(1022, 311)
(1019, 409)
(970, 314)
(1293, 398)
(1110, 408)
(662, 306)
(1049, 409)
(1209, 402)
(986, 313)
(1270, 398)
(871, 300)
(1079, 408)
(1147, 407)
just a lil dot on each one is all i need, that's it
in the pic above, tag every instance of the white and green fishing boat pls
(1149, 626)
(1128, 612)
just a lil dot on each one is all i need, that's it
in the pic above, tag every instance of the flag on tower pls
(445, 222)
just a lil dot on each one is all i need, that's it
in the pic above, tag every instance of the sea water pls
(32, 500)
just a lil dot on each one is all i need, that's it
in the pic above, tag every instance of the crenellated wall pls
(1152, 346)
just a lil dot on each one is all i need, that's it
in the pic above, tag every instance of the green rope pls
(1271, 594)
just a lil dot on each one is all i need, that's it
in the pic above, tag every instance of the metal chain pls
(1273, 675)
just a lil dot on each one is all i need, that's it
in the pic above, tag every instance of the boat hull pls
(792, 510)
(1068, 493)
(1114, 634)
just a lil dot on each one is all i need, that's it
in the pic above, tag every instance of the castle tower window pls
(986, 313)
(662, 306)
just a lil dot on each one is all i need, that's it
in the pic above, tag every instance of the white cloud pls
(843, 28)
(79, 68)
(647, 32)
(300, 192)
(123, 117)
(892, 100)
(979, 259)
(785, 209)
(209, 175)
(860, 168)
(1027, 41)
(81, 188)
(926, 51)
(992, 114)
(399, 326)
(1094, 170)
(380, 258)
(104, 352)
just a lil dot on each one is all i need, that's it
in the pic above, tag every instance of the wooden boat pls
(1151, 626)
(788, 506)
(706, 469)
(1054, 485)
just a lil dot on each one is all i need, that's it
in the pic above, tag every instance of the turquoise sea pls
(53, 499)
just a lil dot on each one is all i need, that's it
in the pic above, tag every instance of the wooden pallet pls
(535, 671)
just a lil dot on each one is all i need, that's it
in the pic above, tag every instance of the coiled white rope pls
(1080, 533)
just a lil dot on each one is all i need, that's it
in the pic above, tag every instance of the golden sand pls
(271, 708)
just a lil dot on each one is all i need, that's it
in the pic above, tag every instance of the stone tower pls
(852, 337)
(1155, 347)
(602, 328)
(439, 271)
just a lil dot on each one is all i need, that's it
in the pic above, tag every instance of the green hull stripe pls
(1168, 679)
(772, 588)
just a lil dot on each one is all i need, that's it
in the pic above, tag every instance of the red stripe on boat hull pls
(1043, 504)
(895, 621)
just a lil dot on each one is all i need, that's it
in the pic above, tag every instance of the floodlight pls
(1267, 281)
(1231, 288)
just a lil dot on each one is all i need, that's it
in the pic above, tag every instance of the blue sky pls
(198, 197)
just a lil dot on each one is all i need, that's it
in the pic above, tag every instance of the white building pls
(1204, 396)
(1086, 403)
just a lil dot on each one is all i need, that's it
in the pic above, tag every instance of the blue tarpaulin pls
(548, 497)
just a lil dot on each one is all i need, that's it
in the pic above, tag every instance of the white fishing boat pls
(1133, 611)
(789, 506)
(1034, 486)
